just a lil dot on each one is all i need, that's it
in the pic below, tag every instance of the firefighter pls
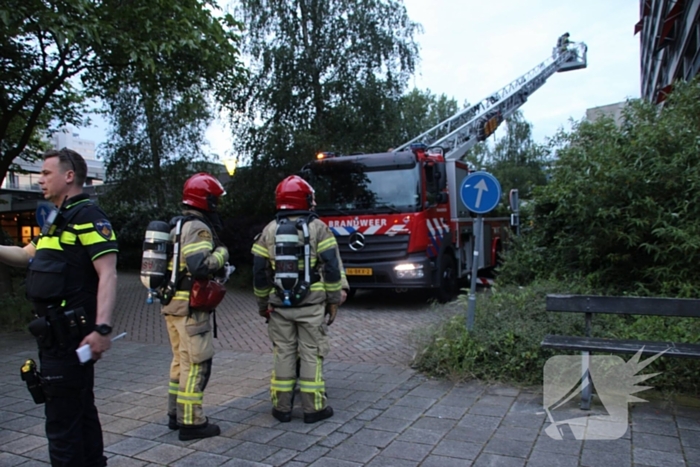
(72, 284)
(563, 42)
(295, 313)
(201, 256)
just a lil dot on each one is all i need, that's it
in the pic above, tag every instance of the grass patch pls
(511, 322)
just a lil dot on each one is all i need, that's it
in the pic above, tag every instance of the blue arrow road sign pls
(42, 212)
(480, 192)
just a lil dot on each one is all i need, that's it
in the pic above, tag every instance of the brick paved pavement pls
(373, 327)
(386, 414)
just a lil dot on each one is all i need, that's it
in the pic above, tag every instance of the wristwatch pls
(103, 329)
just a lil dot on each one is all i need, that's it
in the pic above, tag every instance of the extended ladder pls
(459, 133)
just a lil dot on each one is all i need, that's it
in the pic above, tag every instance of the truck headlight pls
(409, 271)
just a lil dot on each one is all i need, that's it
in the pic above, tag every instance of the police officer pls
(296, 316)
(201, 256)
(72, 284)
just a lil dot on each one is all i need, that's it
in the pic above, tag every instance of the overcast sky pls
(472, 48)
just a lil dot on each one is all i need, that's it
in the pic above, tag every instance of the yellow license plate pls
(358, 271)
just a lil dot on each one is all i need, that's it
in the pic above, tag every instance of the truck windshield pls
(347, 187)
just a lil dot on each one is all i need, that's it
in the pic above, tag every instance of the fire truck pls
(398, 217)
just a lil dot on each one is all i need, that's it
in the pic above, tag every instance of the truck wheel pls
(447, 290)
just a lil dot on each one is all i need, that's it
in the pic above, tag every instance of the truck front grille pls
(377, 248)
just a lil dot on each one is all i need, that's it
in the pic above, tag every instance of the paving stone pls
(569, 447)
(470, 435)
(369, 414)
(517, 433)
(493, 460)
(24, 444)
(382, 461)
(216, 444)
(409, 451)
(524, 420)
(508, 447)
(442, 461)
(446, 411)
(596, 458)
(388, 424)
(258, 434)
(657, 458)
(121, 461)
(690, 438)
(10, 460)
(415, 435)
(131, 446)
(333, 439)
(373, 437)
(163, 454)
(354, 452)
(692, 456)
(280, 457)
(252, 451)
(325, 428)
(296, 441)
(330, 462)
(659, 443)
(488, 410)
(479, 421)
(403, 412)
(416, 402)
(311, 454)
(200, 459)
(550, 459)
(440, 425)
(244, 463)
(458, 449)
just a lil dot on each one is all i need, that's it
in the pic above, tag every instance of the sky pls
(471, 48)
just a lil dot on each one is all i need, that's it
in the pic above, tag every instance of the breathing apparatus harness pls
(289, 284)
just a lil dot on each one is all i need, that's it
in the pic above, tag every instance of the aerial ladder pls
(459, 133)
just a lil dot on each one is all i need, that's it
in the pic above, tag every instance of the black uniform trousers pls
(72, 424)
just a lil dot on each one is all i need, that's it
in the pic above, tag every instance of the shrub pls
(15, 309)
(510, 324)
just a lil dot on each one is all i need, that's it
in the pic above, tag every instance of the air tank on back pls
(155, 256)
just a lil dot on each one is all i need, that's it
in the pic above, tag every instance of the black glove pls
(331, 311)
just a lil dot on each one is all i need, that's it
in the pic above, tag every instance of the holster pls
(59, 328)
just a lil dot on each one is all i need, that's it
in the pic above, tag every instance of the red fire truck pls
(398, 217)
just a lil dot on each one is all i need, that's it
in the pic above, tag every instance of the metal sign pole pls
(471, 304)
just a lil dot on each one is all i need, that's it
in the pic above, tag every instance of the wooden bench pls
(591, 304)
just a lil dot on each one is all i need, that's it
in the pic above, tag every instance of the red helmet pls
(294, 193)
(202, 191)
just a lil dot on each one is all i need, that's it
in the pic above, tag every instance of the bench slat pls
(620, 346)
(688, 307)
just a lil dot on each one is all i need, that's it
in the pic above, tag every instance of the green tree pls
(515, 159)
(57, 54)
(326, 75)
(620, 211)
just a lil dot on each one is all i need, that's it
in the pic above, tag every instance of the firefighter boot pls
(205, 430)
(314, 417)
(283, 409)
(172, 422)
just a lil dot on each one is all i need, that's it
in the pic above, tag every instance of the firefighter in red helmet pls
(298, 280)
(199, 256)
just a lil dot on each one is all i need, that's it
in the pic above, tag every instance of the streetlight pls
(230, 164)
